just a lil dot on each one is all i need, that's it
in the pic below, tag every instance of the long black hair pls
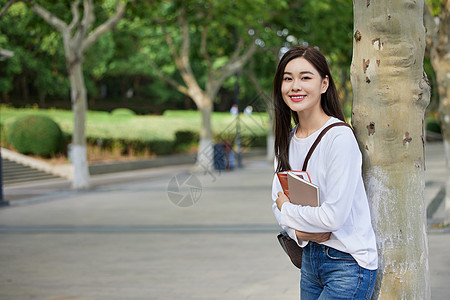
(284, 115)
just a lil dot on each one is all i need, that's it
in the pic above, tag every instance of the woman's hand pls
(313, 237)
(306, 236)
(282, 198)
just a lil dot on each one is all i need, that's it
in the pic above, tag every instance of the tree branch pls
(86, 22)
(50, 18)
(251, 75)
(76, 15)
(183, 61)
(170, 43)
(103, 28)
(180, 62)
(267, 98)
(182, 89)
(237, 50)
(232, 66)
(186, 42)
(203, 50)
(204, 37)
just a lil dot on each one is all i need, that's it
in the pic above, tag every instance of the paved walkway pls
(126, 239)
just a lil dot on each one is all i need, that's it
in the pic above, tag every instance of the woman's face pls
(302, 86)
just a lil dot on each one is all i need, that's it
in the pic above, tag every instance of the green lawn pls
(147, 127)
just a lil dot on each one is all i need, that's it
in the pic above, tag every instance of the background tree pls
(36, 71)
(437, 20)
(390, 97)
(220, 29)
(137, 51)
(77, 38)
(123, 67)
(333, 37)
(37, 75)
(209, 41)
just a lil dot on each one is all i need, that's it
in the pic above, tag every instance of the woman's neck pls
(310, 123)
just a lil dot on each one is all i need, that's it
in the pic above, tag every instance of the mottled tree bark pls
(391, 93)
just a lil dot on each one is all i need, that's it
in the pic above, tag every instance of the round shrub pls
(37, 135)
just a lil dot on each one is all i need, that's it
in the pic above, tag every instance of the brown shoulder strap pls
(316, 142)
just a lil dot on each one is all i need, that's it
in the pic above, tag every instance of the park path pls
(126, 239)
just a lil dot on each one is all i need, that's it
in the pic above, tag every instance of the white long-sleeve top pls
(335, 166)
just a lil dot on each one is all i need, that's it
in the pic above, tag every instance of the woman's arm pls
(313, 237)
(341, 158)
(319, 237)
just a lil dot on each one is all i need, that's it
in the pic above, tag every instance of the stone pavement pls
(126, 239)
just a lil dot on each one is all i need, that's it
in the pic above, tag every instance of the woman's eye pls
(306, 78)
(286, 78)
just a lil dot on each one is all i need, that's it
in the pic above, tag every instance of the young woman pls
(339, 248)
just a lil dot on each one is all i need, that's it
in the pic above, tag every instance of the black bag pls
(292, 249)
(290, 246)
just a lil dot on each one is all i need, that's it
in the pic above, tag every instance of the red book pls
(282, 177)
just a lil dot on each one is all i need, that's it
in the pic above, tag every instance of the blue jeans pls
(328, 273)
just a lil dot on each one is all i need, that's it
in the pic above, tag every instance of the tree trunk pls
(78, 153)
(390, 97)
(443, 78)
(205, 155)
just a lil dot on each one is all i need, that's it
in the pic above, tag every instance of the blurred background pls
(146, 73)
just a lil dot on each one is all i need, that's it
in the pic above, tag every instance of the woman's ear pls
(325, 83)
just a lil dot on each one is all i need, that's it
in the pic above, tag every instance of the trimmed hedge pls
(121, 131)
(247, 140)
(158, 147)
(34, 134)
(183, 141)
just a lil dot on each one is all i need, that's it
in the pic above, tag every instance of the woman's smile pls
(297, 98)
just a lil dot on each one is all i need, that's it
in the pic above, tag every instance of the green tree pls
(207, 41)
(37, 67)
(78, 36)
(326, 24)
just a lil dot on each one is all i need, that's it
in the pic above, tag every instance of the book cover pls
(302, 192)
(282, 177)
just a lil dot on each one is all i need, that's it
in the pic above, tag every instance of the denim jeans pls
(328, 273)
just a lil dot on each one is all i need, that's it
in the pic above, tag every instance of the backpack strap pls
(316, 142)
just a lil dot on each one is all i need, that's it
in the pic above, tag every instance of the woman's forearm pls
(313, 237)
